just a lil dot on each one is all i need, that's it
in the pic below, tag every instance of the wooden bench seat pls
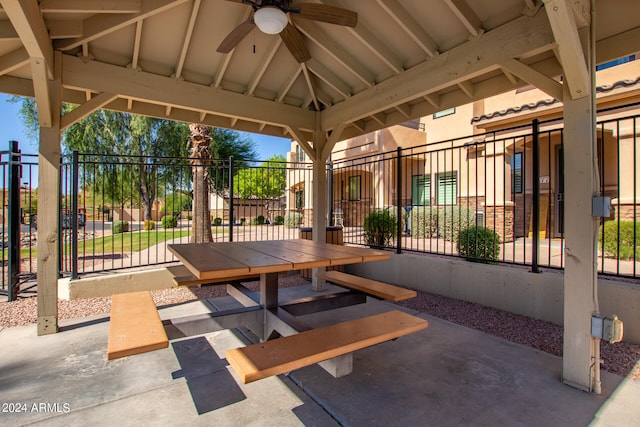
(183, 277)
(135, 326)
(368, 286)
(286, 354)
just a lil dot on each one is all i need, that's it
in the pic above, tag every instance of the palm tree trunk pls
(200, 159)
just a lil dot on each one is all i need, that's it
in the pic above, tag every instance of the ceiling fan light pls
(270, 20)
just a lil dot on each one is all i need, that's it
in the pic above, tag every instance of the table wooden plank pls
(205, 262)
(365, 254)
(326, 251)
(284, 250)
(220, 260)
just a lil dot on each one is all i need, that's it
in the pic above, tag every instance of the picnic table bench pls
(286, 354)
(369, 286)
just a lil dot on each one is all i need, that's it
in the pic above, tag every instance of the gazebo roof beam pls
(99, 25)
(466, 15)
(336, 51)
(187, 38)
(410, 26)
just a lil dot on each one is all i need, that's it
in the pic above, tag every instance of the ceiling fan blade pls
(295, 43)
(329, 14)
(236, 36)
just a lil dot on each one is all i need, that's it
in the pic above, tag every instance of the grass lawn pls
(124, 242)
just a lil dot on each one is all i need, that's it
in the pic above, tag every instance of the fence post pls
(14, 220)
(231, 199)
(399, 202)
(535, 207)
(330, 184)
(74, 215)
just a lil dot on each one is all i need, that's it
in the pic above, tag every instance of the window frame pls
(415, 188)
(442, 176)
(514, 168)
(352, 182)
(444, 113)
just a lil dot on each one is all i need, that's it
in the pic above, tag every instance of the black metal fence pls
(126, 210)
(121, 212)
(498, 181)
(19, 203)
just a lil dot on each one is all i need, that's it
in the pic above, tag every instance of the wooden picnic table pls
(265, 316)
(267, 258)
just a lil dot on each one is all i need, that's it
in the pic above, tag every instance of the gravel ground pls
(621, 358)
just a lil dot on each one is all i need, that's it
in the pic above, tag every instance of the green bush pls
(119, 227)
(293, 220)
(452, 219)
(424, 221)
(479, 244)
(393, 210)
(169, 221)
(149, 224)
(259, 220)
(622, 232)
(380, 228)
(279, 220)
(217, 221)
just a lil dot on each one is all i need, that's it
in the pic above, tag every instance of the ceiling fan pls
(270, 16)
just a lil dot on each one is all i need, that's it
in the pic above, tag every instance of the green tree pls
(143, 144)
(266, 182)
(138, 141)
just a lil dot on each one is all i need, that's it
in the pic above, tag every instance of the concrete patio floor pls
(446, 375)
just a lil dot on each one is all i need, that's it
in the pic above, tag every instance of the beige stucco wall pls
(513, 289)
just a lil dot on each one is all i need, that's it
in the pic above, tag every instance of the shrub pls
(619, 239)
(424, 221)
(479, 244)
(149, 225)
(169, 221)
(393, 210)
(217, 221)
(259, 220)
(119, 227)
(452, 219)
(380, 228)
(279, 220)
(292, 220)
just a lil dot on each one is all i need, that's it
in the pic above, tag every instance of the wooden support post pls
(48, 211)
(580, 272)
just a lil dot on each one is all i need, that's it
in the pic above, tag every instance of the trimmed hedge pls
(169, 221)
(119, 227)
(619, 239)
(279, 220)
(380, 228)
(217, 221)
(479, 244)
(149, 224)
(293, 220)
(424, 221)
(452, 219)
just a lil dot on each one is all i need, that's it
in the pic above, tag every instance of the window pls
(443, 113)
(354, 188)
(516, 173)
(447, 188)
(299, 195)
(615, 62)
(299, 154)
(421, 190)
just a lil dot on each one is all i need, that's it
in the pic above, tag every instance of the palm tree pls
(200, 159)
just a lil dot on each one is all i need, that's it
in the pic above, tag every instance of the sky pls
(11, 129)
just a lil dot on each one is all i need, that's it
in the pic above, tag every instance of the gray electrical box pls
(607, 328)
(601, 207)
